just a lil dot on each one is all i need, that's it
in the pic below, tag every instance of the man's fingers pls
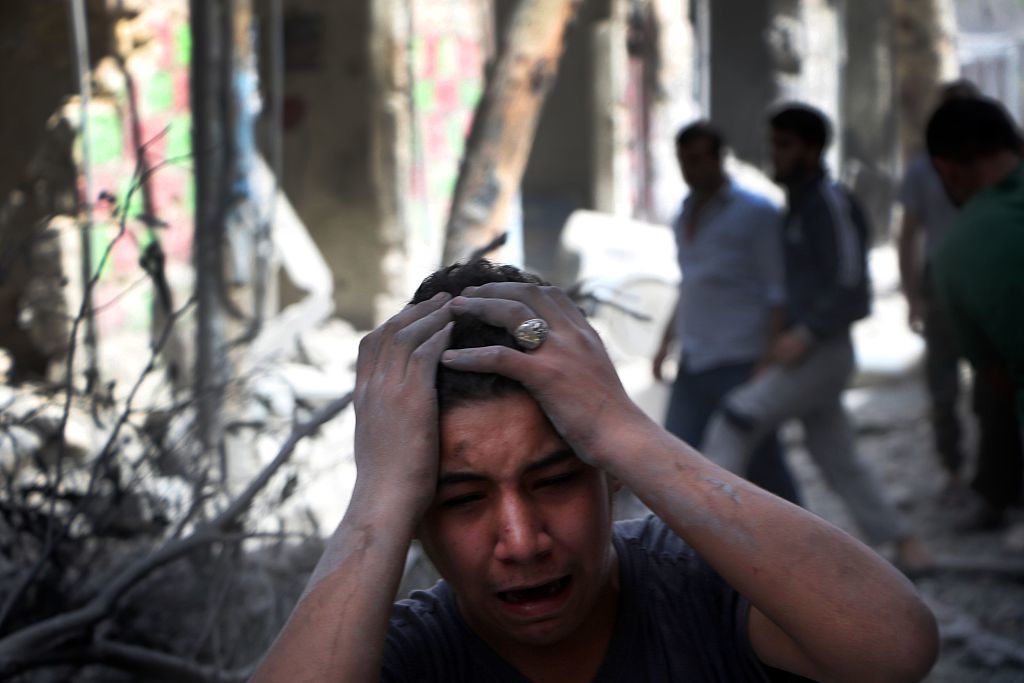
(424, 359)
(542, 300)
(504, 313)
(499, 360)
(381, 340)
(410, 337)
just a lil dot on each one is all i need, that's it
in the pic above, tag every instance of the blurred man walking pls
(730, 298)
(827, 289)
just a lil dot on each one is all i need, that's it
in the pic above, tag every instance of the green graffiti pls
(469, 93)
(157, 93)
(456, 140)
(418, 49)
(179, 137)
(443, 184)
(448, 186)
(447, 62)
(106, 140)
(183, 45)
(100, 237)
(423, 96)
(146, 238)
(135, 206)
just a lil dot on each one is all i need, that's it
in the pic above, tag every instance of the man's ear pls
(944, 167)
(813, 156)
(952, 175)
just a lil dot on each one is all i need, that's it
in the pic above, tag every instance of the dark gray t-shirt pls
(677, 621)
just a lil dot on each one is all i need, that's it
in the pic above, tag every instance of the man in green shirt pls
(979, 273)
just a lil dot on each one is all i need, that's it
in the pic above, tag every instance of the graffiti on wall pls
(148, 111)
(448, 56)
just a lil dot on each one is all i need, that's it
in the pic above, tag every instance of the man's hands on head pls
(337, 630)
(570, 375)
(396, 438)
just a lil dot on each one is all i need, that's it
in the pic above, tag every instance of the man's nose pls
(522, 534)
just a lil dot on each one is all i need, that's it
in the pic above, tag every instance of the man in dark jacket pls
(827, 288)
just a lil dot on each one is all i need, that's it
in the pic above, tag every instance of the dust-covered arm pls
(338, 628)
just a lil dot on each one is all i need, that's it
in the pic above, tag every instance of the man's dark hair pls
(961, 87)
(966, 129)
(455, 387)
(701, 130)
(806, 122)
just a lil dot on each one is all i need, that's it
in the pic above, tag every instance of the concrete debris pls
(17, 444)
(1013, 540)
(42, 310)
(304, 265)
(331, 347)
(986, 648)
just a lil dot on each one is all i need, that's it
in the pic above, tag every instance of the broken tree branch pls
(505, 123)
(46, 635)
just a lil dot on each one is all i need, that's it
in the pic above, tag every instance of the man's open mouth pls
(534, 593)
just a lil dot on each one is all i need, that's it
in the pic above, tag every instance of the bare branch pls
(46, 635)
(54, 537)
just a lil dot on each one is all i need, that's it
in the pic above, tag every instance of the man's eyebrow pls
(462, 477)
(553, 459)
(459, 478)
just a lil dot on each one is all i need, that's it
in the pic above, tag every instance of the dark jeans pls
(998, 478)
(695, 398)
(1000, 460)
(942, 373)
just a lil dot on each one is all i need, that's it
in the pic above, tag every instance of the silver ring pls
(531, 333)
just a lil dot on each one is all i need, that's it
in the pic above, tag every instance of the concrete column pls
(820, 80)
(674, 99)
(924, 51)
(869, 111)
(741, 75)
(611, 118)
(390, 152)
(769, 51)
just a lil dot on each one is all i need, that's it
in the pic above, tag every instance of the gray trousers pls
(812, 393)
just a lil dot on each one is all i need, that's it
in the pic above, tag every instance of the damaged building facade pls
(361, 110)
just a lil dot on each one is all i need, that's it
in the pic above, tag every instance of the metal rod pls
(264, 243)
(208, 150)
(80, 59)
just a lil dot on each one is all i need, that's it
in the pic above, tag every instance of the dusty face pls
(791, 156)
(701, 167)
(519, 527)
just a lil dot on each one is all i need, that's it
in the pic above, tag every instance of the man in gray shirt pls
(730, 256)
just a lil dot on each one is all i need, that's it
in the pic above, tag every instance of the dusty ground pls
(981, 613)
(980, 610)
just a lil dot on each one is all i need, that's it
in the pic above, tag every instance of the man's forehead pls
(456, 470)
